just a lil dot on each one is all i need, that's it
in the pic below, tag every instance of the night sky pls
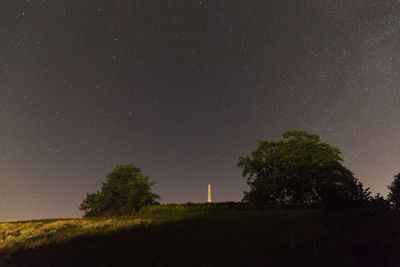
(183, 88)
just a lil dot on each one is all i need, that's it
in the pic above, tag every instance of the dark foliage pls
(341, 190)
(367, 225)
(394, 194)
(301, 170)
(125, 191)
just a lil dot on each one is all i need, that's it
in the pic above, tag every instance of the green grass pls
(34, 234)
(17, 236)
(174, 235)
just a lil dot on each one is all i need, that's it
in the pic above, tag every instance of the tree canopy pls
(298, 170)
(394, 193)
(125, 191)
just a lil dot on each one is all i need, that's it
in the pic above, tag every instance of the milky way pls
(183, 88)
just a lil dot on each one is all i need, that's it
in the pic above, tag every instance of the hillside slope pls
(217, 238)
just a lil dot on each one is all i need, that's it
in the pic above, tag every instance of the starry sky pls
(183, 88)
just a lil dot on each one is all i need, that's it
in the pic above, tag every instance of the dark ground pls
(232, 238)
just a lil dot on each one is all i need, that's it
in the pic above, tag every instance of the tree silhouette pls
(125, 191)
(394, 194)
(299, 170)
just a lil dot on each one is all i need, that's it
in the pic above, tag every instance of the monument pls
(209, 194)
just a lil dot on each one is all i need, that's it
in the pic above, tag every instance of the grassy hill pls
(176, 235)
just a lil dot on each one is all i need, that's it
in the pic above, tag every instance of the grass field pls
(176, 235)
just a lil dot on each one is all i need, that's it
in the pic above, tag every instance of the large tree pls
(298, 170)
(394, 193)
(125, 191)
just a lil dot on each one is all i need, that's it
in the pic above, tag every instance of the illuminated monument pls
(209, 194)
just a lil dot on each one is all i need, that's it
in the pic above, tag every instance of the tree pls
(125, 191)
(394, 193)
(299, 170)
(339, 190)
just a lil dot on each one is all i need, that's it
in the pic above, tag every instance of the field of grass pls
(176, 235)
(17, 236)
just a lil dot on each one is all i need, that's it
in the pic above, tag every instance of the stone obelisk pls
(209, 194)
